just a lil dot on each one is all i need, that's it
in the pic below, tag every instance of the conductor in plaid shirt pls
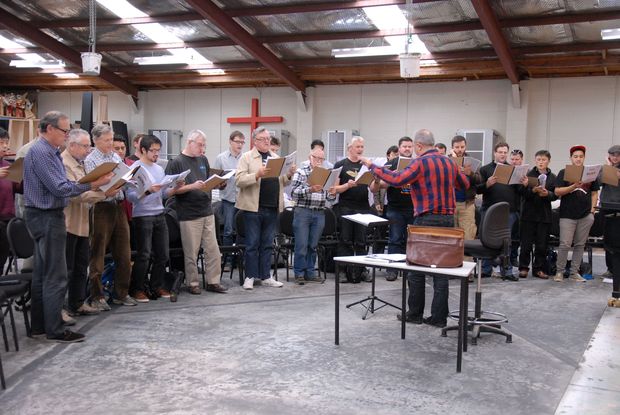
(309, 218)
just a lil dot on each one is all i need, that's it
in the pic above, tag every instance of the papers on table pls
(99, 171)
(280, 165)
(364, 176)
(216, 180)
(507, 174)
(403, 162)
(610, 175)
(388, 257)
(365, 219)
(584, 174)
(122, 175)
(16, 171)
(324, 177)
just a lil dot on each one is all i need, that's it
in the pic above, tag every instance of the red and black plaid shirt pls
(432, 178)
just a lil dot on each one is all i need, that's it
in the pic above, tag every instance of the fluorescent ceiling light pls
(67, 75)
(610, 34)
(386, 18)
(160, 60)
(157, 33)
(211, 71)
(37, 64)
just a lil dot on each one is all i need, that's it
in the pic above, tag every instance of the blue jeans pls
(228, 212)
(308, 226)
(260, 230)
(417, 280)
(487, 265)
(49, 276)
(151, 238)
(399, 219)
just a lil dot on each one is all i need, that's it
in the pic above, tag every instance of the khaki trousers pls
(465, 218)
(195, 233)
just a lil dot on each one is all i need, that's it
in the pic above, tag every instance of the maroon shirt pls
(7, 199)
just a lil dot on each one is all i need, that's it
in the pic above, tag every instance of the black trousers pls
(4, 245)
(612, 249)
(77, 265)
(352, 238)
(533, 234)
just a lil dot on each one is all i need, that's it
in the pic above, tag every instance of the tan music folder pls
(403, 162)
(572, 173)
(532, 181)
(16, 171)
(503, 172)
(366, 178)
(318, 176)
(99, 171)
(610, 175)
(275, 165)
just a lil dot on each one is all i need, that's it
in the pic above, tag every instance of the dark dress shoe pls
(194, 289)
(410, 318)
(435, 323)
(510, 277)
(216, 288)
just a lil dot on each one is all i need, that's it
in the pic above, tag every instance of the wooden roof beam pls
(498, 41)
(28, 31)
(237, 33)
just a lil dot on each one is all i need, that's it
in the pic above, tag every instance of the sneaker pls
(127, 301)
(300, 280)
(607, 274)
(391, 276)
(559, 276)
(85, 310)
(270, 282)
(576, 277)
(141, 297)
(163, 293)
(68, 337)
(248, 284)
(67, 319)
(541, 275)
(316, 279)
(510, 277)
(101, 304)
(195, 290)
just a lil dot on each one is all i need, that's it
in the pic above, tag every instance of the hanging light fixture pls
(91, 61)
(409, 62)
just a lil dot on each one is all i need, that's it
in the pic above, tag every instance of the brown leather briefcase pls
(434, 246)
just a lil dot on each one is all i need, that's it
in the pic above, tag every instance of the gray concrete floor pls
(271, 351)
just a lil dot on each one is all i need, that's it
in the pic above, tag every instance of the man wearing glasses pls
(228, 160)
(76, 221)
(110, 228)
(46, 190)
(195, 213)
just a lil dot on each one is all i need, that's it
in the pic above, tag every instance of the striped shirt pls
(301, 193)
(432, 178)
(45, 180)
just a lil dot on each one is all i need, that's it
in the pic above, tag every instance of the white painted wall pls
(554, 113)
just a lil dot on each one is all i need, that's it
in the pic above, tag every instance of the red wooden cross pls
(253, 119)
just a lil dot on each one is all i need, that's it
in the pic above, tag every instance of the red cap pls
(577, 148)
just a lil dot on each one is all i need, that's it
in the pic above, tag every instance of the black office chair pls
(240, 231)
(494, 242)
(21, 245)
(14, 287)
(175, 245)
(328, 242)
(235, 251)
(285, 240)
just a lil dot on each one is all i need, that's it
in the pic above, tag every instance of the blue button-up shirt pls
(227, 161)
(45, 180)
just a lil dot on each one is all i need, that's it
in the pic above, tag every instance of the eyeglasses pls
(62, 129)
(317, 158)
(199, 144)
(84, 146)
(262, 139)
(516, 153)
(238, 142)
(154, 150)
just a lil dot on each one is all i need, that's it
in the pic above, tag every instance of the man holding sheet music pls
(353, 199)
(578, 200)
(195, 213)
(149, 223)
(309, 218)
(494, 191)
(46, 192)
(465, 213)
(109, 227)
(433, 178)
(260, 198)
(399, 207)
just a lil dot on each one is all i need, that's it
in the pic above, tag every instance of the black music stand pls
(369, 221)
